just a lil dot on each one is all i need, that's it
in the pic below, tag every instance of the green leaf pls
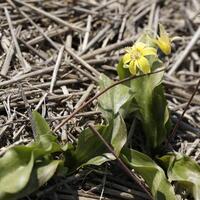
(122, 72)
(89, 145)
(99, 160)
(115, 100)
(23, 169)
(44, 136)
(15, 170)
(113, 104)
(153, 175)
(40, 174)
(28, 166)
(118, 134)
(153, 112)
(45, 171)
(183, 170)
(90, 149)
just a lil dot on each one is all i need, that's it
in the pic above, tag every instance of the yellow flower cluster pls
(136, 56)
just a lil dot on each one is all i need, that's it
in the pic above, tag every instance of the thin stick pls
(47, 84)
(41, 101)
(55, 71)
(99, 94)
(152, 14)
(34, 24)
(50, 34)
(109, 48)
(96, 39)
(88, 28)
(81, 61)
(121, 164)
(6, 65)
(122, 28)
(183, 54)
(28, 107)
(85, 96)
(53, 17)
(23, 62)
(42, 55)
(36, 100)
(84, 72)
(172, 135)
(156, 20)
(30, 74)
(104, 5)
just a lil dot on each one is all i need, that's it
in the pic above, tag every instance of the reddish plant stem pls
(173, 133)
(99, 94)
(120, 162)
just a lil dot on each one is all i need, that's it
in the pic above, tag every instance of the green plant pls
(23, 169)
(140, 98)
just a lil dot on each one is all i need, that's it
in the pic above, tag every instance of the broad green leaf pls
(89, 145)
(115, 100)
(118, 134)
(153, 175)
(15, 170)
(44, 135)
(45, 171)
(153, 112)
(40, 174)
(90, 149)
(24, 169)
(183, 170)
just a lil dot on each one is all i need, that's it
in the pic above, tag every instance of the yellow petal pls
(164, 42)
(132, 67)
(126, 58)
(143, 65)
(149, 51)
(164, 45)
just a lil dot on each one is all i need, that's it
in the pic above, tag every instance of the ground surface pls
(33, 36)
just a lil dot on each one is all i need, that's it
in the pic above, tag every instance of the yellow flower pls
(164, 42)
(135, 57)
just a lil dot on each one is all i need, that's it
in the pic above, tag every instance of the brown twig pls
(56, 68)
(99, 94)
(22, 61)
(6, 66)
(186, 51)
(49, 15)
(81, 61)
(109, 48)
(172, 135)
(28, 107)
(120, 162)
(34, 24)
